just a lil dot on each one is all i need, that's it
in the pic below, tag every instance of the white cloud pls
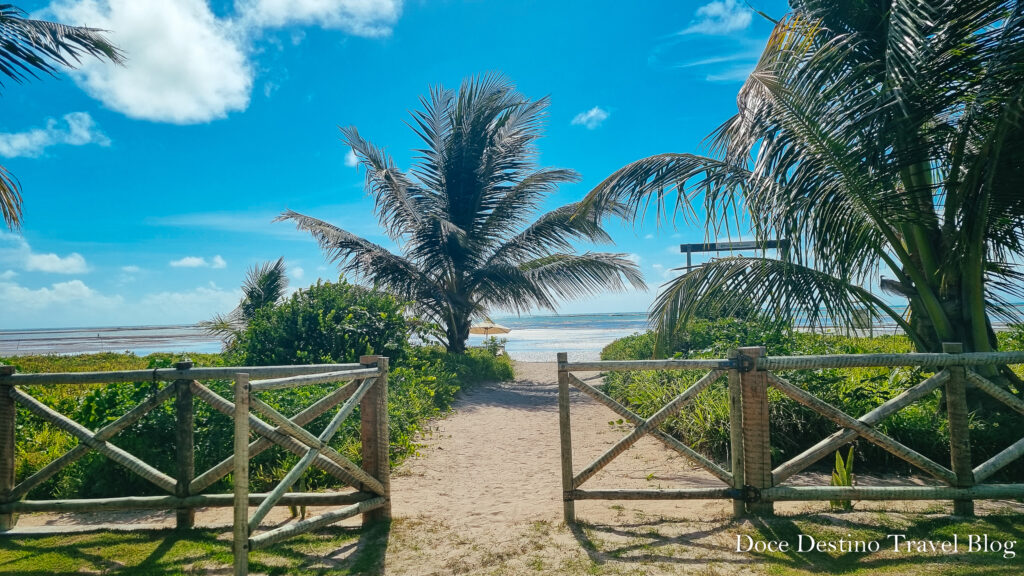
(73, 303)
(359, 17)
(77, 129)
(15, 251)
(350, 159)
(248, 223)
(193, 305)
(73, 263)
(190, 262)
(649, 237)
(592, 118)
(20, 298)
(8, 275)
(634, 257)
(199, 262)
(720, 17)
(296, 272)
(184, 65)
(131, 269)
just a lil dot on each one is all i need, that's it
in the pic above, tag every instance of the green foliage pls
(422, 384)
(325, 323)
(704, 424)
(842, 475)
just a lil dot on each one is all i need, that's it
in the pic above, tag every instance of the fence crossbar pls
(996, 463)
(306, 380)
(171, 502)
(644, 365)
(681, 494)
(979, 492)
(283, 440)
(650, 424)
(923, 360)
(664, 437)
(808, 457)
(308, 439)
(287, 531)
(986, 386)
(300, 468)
(169, 374)
(224, 467)
(105, 433)
(87, 437)
(867, 432)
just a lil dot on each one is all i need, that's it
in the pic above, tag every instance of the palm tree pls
(872, 134)
(265, 285)
(461, 217)
(31, 46)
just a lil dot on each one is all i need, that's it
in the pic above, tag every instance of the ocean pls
(532, 339)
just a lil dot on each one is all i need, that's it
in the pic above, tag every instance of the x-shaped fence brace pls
(747, 399)
(288, 433)
(650, 426)
(312, 449)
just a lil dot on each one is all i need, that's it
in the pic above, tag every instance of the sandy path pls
(495, 461)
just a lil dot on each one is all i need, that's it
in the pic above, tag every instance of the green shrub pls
(325, 323)
(704, 424)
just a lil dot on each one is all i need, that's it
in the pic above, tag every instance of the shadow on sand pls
(676, 542)
(336, 550)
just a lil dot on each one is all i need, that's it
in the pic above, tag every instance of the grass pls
(151, 553)
(884, 528)
(652, 545)
(710, 547)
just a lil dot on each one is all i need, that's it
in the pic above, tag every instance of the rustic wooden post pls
(184, 444)
(373, 412)
(959, 436)
(565, 436)
(739, 507)
(8, 412)
(757, 454)
(241, 476)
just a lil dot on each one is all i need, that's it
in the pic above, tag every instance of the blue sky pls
(150, 188)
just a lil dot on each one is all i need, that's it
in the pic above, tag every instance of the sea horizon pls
(533, 338)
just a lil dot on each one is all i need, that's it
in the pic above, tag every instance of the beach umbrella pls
(488, 328)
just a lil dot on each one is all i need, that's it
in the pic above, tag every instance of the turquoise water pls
(532, 339)
(582, 336)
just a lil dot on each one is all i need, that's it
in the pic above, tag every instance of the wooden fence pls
(365, 386)
(749, 480)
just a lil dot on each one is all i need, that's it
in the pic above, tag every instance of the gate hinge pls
(751, 494)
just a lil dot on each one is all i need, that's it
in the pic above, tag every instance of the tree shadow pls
(680, 543)
(334, 550)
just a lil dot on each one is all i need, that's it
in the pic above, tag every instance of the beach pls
(532, 338)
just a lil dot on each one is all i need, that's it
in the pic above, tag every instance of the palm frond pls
(28, 46)
(264, 285)
(569, 276)
(361, 258)
(10, 199)
(780, 290)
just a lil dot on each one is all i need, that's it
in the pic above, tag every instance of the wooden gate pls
(365, 386)
(751, 482)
